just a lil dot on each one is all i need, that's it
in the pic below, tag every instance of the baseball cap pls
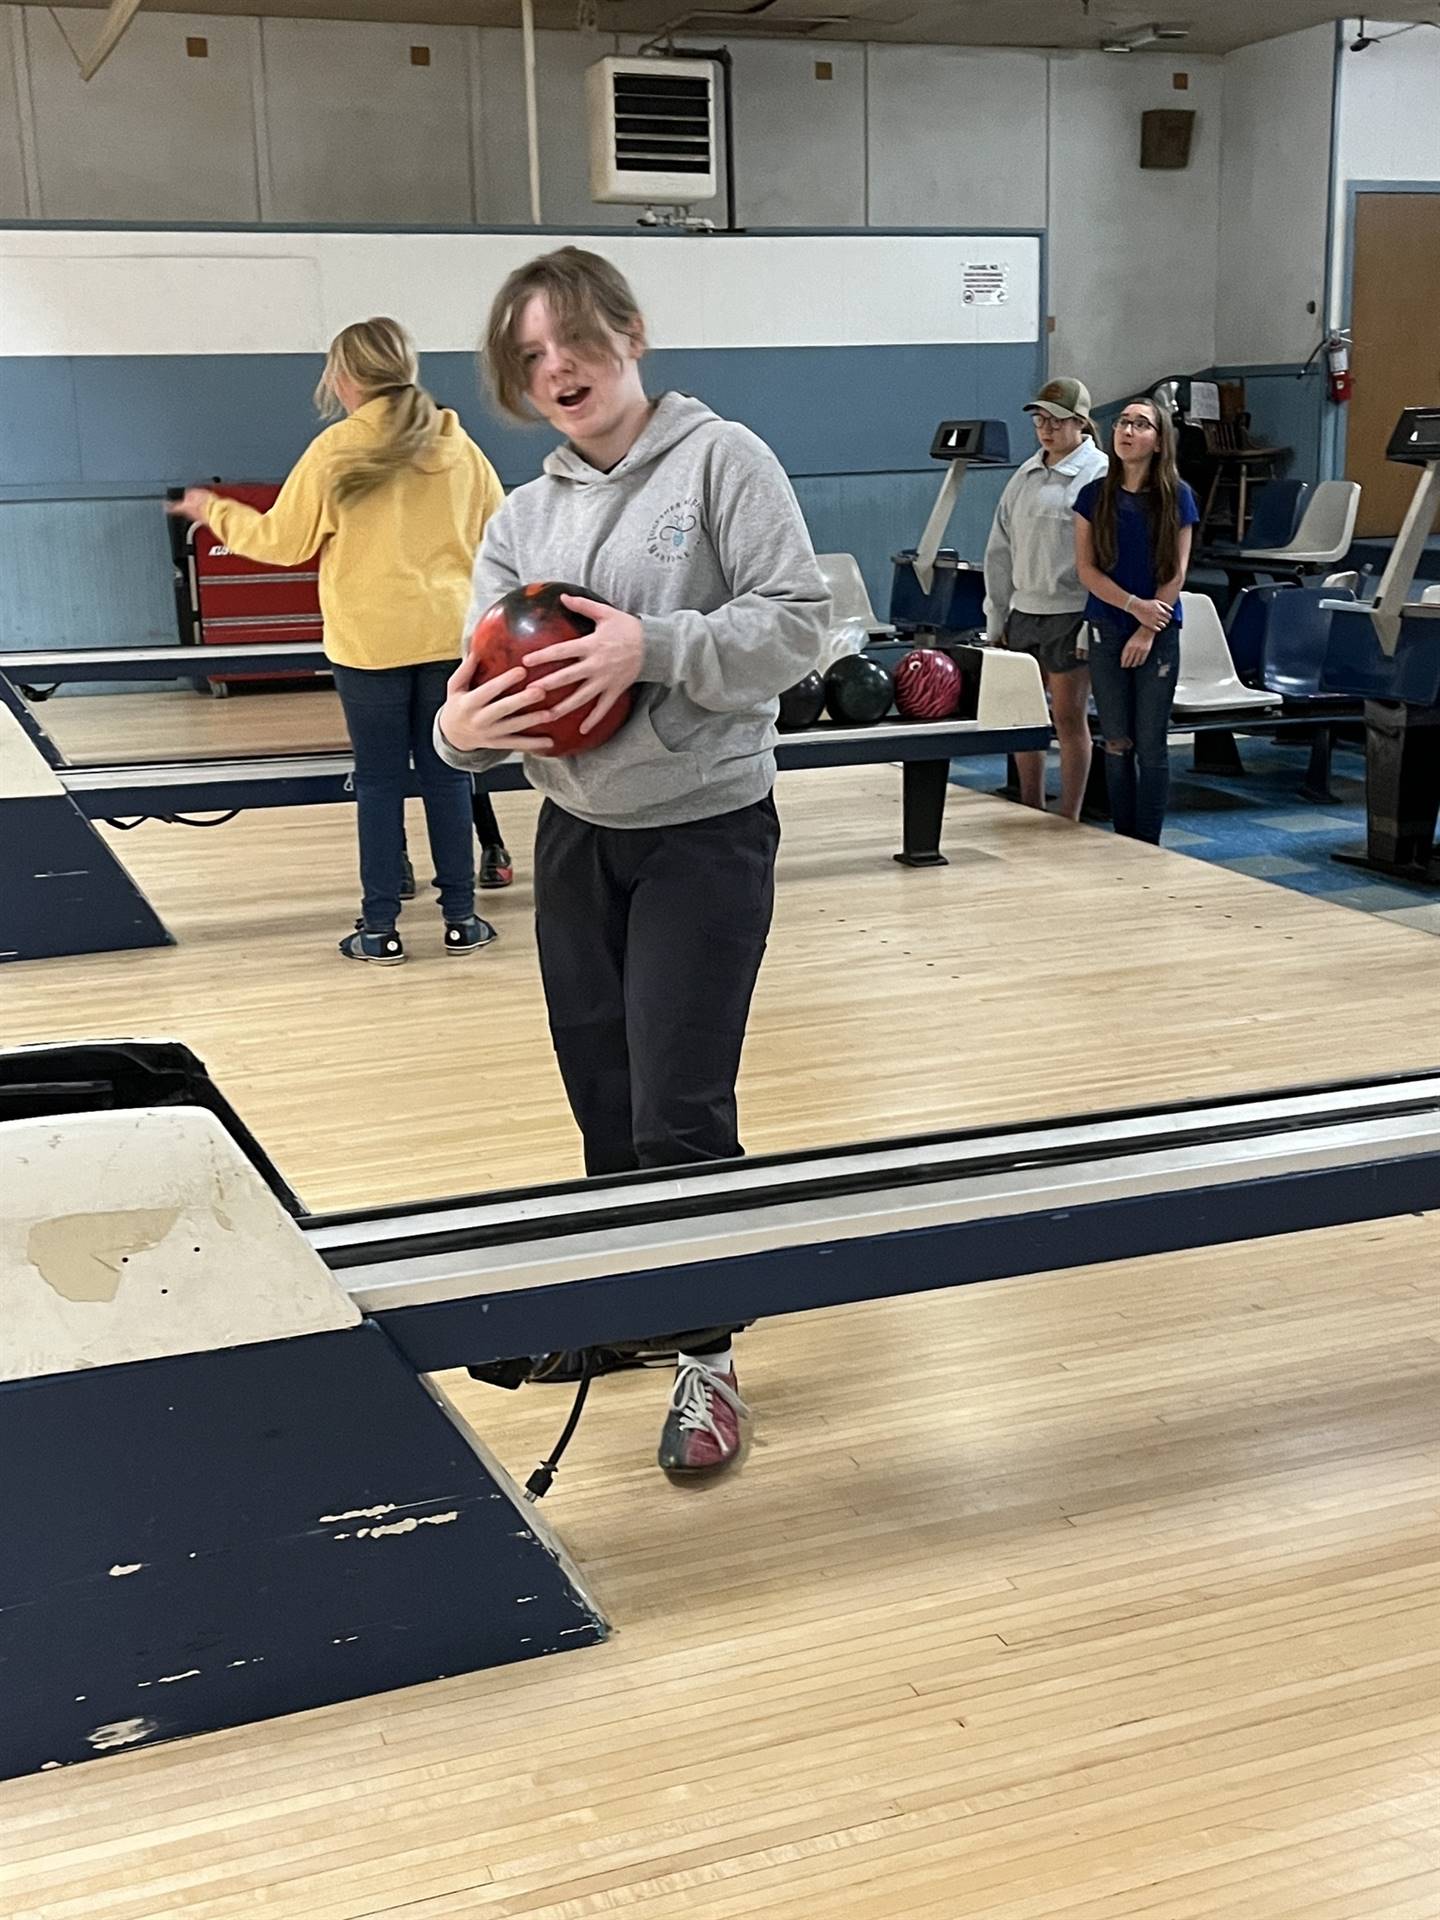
(1062, 400)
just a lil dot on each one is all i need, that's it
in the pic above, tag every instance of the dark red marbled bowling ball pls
(525, 620)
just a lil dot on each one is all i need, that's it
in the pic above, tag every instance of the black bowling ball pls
(858, 690)
(802, 704)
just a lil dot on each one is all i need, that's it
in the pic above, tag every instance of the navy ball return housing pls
(1388, 653)
(934, 591)
(229, 1488)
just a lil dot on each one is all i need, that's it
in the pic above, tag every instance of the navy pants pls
(390, 713)
(1134, 704)
(650, 945)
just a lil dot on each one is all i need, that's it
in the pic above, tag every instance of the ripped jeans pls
(1134, 707)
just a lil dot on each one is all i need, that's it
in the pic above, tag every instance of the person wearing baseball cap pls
(1034, 602)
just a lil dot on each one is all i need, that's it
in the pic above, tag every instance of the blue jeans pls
(1134, 707)
(390, 713)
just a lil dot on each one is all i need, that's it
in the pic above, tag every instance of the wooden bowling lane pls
(1100, 1596)
(1106, 1595)
(111, 729)
(1048, 969)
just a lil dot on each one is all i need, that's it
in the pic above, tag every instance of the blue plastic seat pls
(1296, 641)
(1278, 507)
(1245, 626)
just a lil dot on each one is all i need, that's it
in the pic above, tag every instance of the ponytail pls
(411, 422)
(376, 357)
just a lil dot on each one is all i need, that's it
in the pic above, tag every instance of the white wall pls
(957, 137)
(1133, 255)
(1389, 114)
(102, 293)
(155, 135)
(356, 131)
(1274, 198)
(819, 180)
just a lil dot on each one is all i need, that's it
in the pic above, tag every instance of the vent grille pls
(662, 123)
(652, 131)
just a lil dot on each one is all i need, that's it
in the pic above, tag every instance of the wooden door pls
(1395, 306)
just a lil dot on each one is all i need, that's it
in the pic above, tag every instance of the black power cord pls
(172, 820)
(543, 1478)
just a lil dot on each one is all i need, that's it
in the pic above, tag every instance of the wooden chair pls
(1238, 460)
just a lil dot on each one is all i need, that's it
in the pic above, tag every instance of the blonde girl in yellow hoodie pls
(394, 499)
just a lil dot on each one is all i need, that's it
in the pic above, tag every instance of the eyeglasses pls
(1137, 423)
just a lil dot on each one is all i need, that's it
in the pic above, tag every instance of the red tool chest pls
(224, 599)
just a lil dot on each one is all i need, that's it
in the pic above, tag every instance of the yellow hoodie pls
(395, 565)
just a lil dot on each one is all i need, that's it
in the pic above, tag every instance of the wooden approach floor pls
(1091, 1595)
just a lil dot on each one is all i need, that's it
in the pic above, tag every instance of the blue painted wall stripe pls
(852, 426)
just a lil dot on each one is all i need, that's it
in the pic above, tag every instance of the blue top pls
(1134, 567)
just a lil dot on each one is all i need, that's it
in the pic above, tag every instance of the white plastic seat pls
(1208, 680)
(1326, 529)
(1430, 596)
(1342, 582)
(850, 601)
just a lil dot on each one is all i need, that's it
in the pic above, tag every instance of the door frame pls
(1353, 190)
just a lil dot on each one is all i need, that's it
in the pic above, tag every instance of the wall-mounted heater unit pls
(652, 131)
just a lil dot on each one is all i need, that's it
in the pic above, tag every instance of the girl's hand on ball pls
(497, 716)
(593, 669)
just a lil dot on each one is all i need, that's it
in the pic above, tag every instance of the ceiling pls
(1215, 26)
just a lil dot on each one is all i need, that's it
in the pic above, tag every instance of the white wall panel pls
(149, 302)
(1133, 253)
(99, 293)
(799, 140)
(957, 137)
(1274, 197)
(358, 132)
(156, 135)
(1389, 125)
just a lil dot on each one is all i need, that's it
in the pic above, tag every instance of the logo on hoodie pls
(672, 538)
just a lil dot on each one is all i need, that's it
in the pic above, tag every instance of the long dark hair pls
(1161, 497)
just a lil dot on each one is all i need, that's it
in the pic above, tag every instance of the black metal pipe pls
(724, 60)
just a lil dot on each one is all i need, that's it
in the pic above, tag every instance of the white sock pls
(716, 1362)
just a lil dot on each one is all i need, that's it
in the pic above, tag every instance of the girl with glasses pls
(1133, 530)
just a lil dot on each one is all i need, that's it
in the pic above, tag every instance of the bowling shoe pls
(703, 1429)
(468, 936)
(381, 949)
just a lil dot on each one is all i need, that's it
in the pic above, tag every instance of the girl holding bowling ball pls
(1133, 529)
(655, 852)
(394, 499)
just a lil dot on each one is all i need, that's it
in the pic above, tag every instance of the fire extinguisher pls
(1339, 379)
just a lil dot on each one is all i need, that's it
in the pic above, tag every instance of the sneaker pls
(703, 1430)
(497, 869)
(468, 936)
(383, 949)
(407, 881)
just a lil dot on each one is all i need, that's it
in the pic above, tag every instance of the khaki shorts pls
(1056, 640)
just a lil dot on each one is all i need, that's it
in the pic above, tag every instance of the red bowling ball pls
(522, 622)
(927, 685)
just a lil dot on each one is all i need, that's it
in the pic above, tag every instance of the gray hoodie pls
(698, 532)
